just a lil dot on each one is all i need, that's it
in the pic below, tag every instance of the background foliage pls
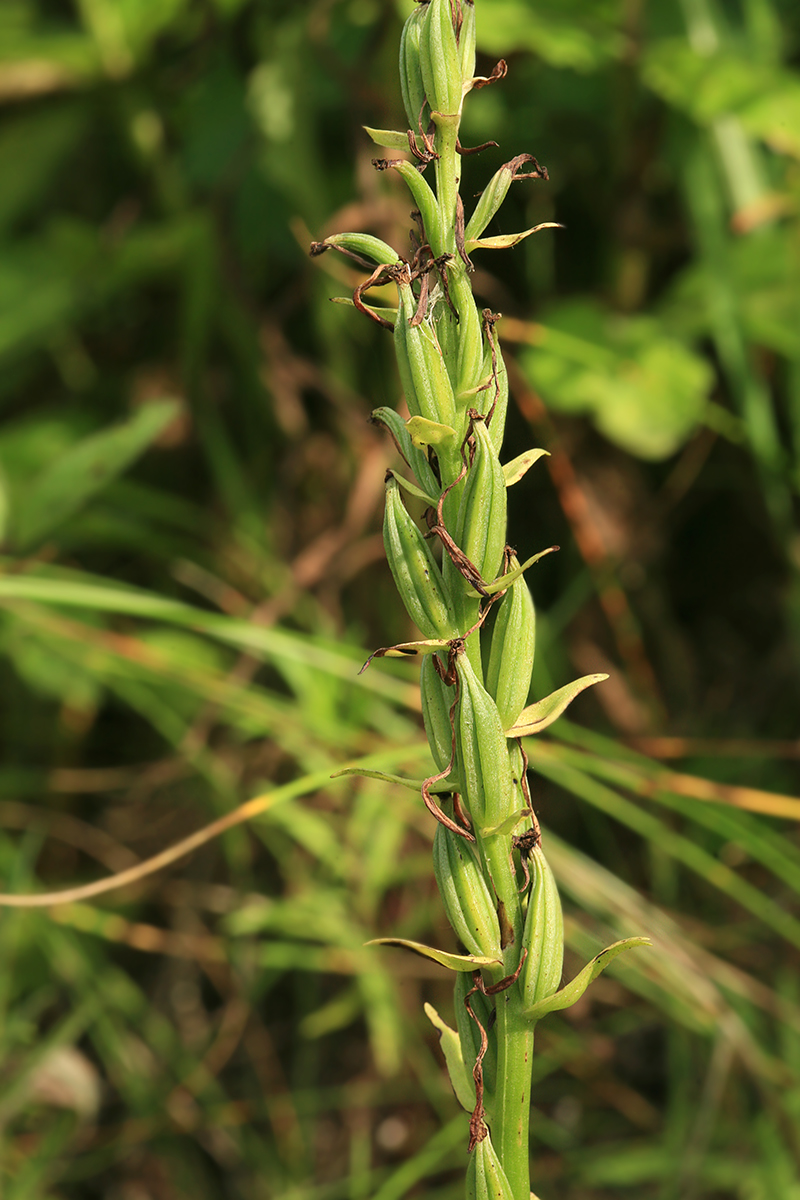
(192, 571)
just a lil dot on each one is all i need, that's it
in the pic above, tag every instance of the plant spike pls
(498, 890)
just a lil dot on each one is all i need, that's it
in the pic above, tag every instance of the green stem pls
(448, 178)
(510, 1132)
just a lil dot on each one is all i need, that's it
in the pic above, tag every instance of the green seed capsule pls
(482, 753)
(439, 59)
(481, 522)
(469, 904)
(486, 1179)
(411, 85)
(466, 42)
(414, 568)
(543, 936)
(437, 700)
(470, 342)
(426, 384)
(508, 672)
(496, 394)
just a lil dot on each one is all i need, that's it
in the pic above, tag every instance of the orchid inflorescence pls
(475, 611)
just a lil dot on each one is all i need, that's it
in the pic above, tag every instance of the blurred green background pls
(192, 574)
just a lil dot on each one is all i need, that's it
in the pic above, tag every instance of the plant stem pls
(513, 1091)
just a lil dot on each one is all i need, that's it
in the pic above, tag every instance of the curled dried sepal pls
(453, 962)
(538, 716)
(460, 1074)
(571, 992)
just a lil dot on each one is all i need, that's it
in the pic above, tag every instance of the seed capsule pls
(437, 700)
(469, 905)
(426, 384)
(414, 568)
(480, 528)
(414, 455)
(439, 59)
(508, 672)
(543, 936)
(486, 1179)
(482, 753)
(411, 85)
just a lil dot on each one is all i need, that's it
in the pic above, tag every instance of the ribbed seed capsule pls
(482, 754)
(470, 341)
(496, 394)
(426, 384)
(414, 568)
(469, 904)
(437, 700)
(414, 456)
(486, 1179)
(543, 936)
(439, 59)
(508, 672)
(466, 42)
(411, 85)
(480, 528)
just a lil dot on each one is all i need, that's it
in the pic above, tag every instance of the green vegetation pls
(193, 573)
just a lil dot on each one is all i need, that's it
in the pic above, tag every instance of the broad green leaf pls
(643, 389)
(453, 962)
(520, 465)
(86, 468)
(573, 991)
(538, 716)
(460, 1076)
